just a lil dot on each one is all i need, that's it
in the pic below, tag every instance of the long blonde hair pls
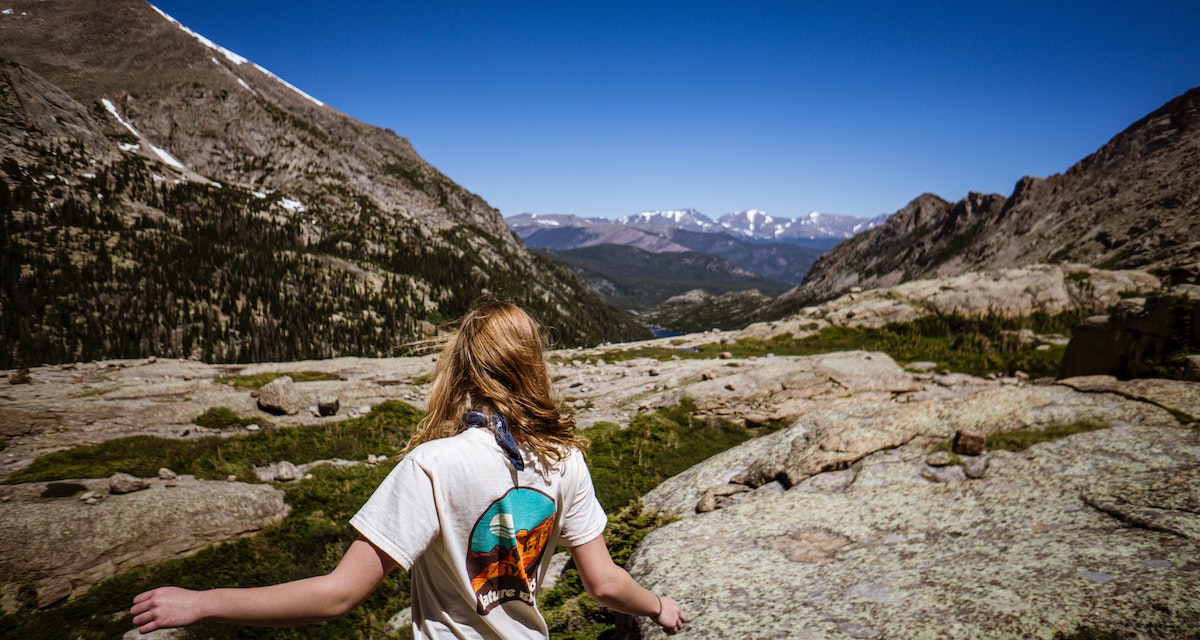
(495, 362)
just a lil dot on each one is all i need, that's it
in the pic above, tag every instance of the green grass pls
(977, 346)
(626, 463)
(1025, 438)
(385, 430)
(255, 381)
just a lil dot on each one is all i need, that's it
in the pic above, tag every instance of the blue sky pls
(611, 108)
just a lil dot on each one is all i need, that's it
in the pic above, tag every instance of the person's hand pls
(670, 617)
(165, 607)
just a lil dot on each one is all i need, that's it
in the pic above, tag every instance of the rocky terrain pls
(843, 525)
(840, 524)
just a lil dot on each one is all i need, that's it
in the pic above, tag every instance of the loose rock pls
(286, 472)
(328, 406)
(120, 483)
(968, 443)
(280, 396)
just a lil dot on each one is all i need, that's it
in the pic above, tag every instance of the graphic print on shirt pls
(507, 545)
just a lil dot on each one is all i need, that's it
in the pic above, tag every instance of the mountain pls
(638, 280)
(696, 311)
(816, 230)
(758, 225)
(162, 195)
(1133, 204)
(783, 261)
(689, 219)
(558, 231)
(776, 248)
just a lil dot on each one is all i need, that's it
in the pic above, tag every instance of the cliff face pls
(1133, 204)
(186, 162)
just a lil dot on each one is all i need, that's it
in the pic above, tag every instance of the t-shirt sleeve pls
(401, 517)
(583, 517)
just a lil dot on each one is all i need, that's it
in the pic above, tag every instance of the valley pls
(975, 418)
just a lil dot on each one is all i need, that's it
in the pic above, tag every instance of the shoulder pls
(456, 448)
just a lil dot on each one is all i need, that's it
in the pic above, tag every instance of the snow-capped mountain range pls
(751, 225)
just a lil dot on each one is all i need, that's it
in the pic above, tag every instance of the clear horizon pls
(615, 109)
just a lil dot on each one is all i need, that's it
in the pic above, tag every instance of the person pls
(493, 481)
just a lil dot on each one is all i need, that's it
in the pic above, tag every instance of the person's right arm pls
(614, 588)
(304, 601)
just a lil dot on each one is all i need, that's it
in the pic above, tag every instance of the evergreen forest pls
(125, 263)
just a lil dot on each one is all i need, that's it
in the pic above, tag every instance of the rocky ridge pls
(1130, 205)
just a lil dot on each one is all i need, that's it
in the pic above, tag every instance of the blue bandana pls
(503, 437)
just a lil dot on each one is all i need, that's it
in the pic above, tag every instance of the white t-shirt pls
(476, 534)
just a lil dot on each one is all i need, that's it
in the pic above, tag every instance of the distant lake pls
(660, 332)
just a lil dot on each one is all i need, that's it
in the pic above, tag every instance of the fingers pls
(671, 618)
(142, 611)
(162, 608)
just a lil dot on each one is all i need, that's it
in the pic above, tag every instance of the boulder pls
(279, 396)
(62, 547)
(1148, 337)
(1100, 529)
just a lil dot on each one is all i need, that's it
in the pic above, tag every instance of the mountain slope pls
(635, 279)
(783, 261)
(660, 232)
(160, 195)
(1133, 204)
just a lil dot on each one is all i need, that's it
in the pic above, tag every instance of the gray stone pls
(286, 472)
(280, 396)
(1012, 555)
(124, 483)
(975, 466)
(63, 550)
(166, 474)
(52, 590)
(939, 459)
(157, 634)
(399, 622)
(953, 473)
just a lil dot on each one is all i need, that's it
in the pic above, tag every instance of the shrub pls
(221, 418)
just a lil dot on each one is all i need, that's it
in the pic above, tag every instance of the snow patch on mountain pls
(759, 225)
(689, 219)
(235, 58)
(112, 108)
(167, 158)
